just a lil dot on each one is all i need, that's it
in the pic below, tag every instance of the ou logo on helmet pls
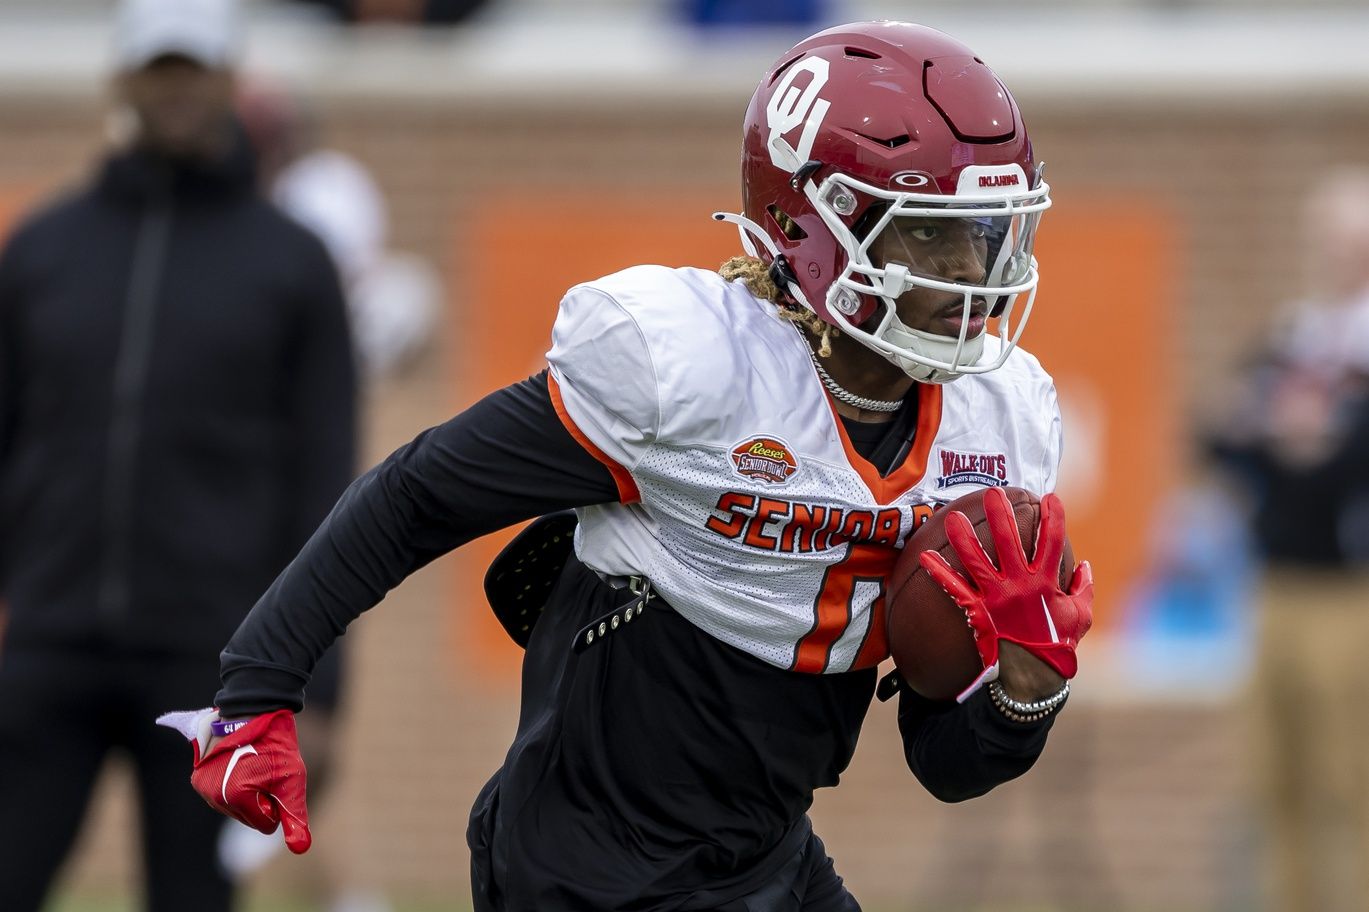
(790, 106)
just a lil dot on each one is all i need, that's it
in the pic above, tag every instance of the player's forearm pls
(506, 459)
(964, 752)
(371, 541)
(1024, 677)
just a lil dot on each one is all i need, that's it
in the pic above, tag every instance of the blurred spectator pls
(754, 12)
(1186, 628)
(177, 414)
(1299, 440)
(428, 12)
(392, 297)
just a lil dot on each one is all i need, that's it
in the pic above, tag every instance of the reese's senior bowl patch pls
(764, 458)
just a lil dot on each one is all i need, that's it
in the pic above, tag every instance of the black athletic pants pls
(62, 712)
(807, 883)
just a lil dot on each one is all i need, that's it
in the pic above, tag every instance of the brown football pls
(929, 638)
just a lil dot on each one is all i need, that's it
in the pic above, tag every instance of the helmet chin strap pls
(924, 344)
(895, 334)
(930, 346)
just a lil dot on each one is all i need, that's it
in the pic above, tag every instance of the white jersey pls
(743, 500)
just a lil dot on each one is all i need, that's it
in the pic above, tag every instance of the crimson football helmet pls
(884, 157)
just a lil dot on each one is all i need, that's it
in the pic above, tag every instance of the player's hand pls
(253, 773)
(1020, 600)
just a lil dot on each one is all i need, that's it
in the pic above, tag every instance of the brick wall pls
(1133, 806)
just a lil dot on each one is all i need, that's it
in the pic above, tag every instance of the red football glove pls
(1020, 600)
(254, 773)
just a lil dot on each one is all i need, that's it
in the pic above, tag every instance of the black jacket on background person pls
(1311, 514)
(177, 406)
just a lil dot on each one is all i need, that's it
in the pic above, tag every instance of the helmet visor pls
(988, 253)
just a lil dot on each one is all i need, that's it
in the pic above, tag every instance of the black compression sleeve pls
(506, 459)
(962, 751)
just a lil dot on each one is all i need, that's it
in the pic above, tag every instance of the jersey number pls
(833, 610)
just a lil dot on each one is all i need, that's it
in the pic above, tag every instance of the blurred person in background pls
(1186, 621)
(392, 297)
(413, 12)
(177, 412)
(1298, 440)
(687, 688)
(744, 13)
(392, 301)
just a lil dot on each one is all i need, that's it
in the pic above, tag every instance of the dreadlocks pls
(756, 276)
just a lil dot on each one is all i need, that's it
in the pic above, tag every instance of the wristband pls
(224, 727)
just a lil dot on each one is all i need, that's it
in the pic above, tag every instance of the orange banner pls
(1103, 326)
(516, 267)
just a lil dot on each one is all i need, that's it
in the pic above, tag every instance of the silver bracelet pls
(1017, 711)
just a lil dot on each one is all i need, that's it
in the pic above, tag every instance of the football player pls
(745, 453)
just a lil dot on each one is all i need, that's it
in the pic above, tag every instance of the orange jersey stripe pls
(867, 561)
(887, 489)
(627, 487)
(864, 562)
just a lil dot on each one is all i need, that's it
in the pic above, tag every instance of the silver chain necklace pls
(840, 393)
